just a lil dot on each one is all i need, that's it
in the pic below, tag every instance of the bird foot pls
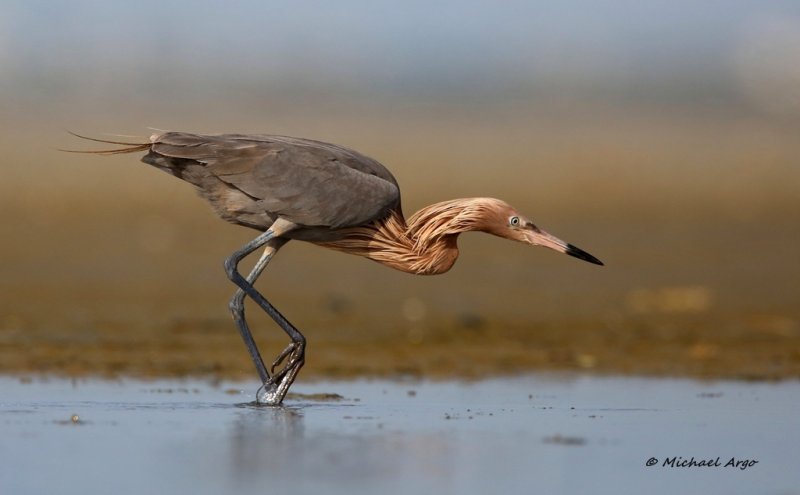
(295, 351)
(268, 395)
(274, 390)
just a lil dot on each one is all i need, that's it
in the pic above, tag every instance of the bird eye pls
(513, 221)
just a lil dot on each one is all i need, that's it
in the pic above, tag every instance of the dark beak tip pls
(582, 255)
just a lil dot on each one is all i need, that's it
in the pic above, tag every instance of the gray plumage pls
(251, 180)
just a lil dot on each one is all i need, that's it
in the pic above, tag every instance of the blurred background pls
(662, 137)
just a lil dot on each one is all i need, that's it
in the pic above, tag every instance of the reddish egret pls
(292, 188)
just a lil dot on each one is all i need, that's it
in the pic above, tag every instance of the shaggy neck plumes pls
(426, 244)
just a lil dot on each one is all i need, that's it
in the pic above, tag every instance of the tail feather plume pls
(129, 147)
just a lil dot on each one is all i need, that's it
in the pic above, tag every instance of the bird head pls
(503, 220)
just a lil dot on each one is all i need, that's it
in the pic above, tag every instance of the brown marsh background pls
(660, 137)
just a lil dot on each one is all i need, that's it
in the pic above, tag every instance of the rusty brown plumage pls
(301, 189)
(427, 243)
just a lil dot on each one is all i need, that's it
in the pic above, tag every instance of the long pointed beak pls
(541, 238)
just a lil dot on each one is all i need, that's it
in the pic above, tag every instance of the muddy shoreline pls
(650, 347)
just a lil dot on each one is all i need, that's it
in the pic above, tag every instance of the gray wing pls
(307, 182)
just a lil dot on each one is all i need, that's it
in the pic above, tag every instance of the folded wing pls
(307, 182)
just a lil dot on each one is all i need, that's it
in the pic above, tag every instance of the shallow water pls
(533, 434)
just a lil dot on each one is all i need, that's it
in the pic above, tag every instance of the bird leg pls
(237, 309)
(236, 306)
(274, 388)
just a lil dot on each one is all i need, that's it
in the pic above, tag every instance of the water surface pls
(534, 434)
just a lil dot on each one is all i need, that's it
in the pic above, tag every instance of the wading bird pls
(291, 188)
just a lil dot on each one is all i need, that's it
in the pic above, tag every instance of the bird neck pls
(424, 245)
(450, 218)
